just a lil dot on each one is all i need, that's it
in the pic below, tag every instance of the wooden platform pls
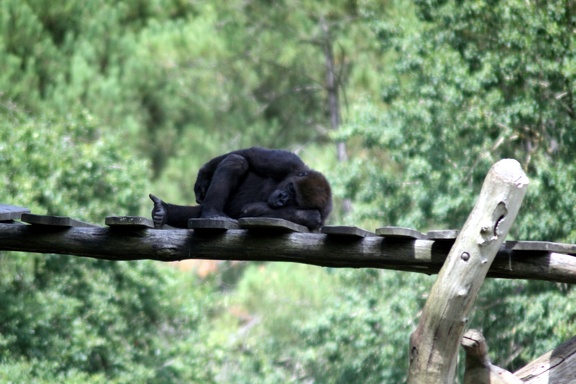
(11, 212)
(333, 245)
(53, 221)
(266, 224)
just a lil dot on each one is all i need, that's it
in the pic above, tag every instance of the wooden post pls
(435, 342)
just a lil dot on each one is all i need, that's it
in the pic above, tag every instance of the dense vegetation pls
(104, 101)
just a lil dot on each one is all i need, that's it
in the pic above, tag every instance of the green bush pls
(70, 319)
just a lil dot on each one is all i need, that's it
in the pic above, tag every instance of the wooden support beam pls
(435, 342)
(557, 366)
(423, 256)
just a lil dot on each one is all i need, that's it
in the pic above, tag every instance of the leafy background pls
(102, 102)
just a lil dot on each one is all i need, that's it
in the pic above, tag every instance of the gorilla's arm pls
(275, 163)
(267, 163)
(310, 218)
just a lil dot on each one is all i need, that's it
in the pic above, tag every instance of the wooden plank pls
(222, 224)
(269, 224)
(435, 343)
(543, 246)
(342, 230)
(447, 234)
(400, 233)
(11, 212)
(53, 221)
(557, 366)
(127, 222)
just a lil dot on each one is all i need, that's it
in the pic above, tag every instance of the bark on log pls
(434, 344)
(423, 256)
(557, 366)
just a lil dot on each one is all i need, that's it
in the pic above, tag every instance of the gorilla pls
(253, 182)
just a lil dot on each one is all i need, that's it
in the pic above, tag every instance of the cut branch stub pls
(479, 369)
(434, 344)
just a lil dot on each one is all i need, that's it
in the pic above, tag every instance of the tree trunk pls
(332, 88)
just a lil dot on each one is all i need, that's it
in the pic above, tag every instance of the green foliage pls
(182, 79)
(269, 304)
(67, 319)
(486, 82)
(522, 320)
(326, 326)
(66, 166)
(474, 82)
(361, 336)
(439, 91)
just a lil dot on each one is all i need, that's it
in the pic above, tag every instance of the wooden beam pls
(435, 342)
(423, 256)
(557, 366)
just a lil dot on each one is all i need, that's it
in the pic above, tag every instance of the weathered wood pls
(11, 212)
(478, 368)
(178, 244)
(126, 222)
(434, 344)
(268, 224)
(209, 225)
(342, 230)
(400, 233)
(546, 246)
(53, 221)
(448, 234)
(555, 367)
(550, 265)
(422, 256)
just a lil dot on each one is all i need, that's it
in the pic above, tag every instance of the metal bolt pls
(465, 256)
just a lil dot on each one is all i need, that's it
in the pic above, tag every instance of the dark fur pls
(253, 182)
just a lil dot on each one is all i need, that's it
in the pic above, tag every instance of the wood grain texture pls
(557, 366)
(435, 342)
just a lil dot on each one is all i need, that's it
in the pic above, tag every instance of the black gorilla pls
(253, 182)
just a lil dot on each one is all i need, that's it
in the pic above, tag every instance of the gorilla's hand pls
(255, 210)
(310, 218)
(159, 212)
